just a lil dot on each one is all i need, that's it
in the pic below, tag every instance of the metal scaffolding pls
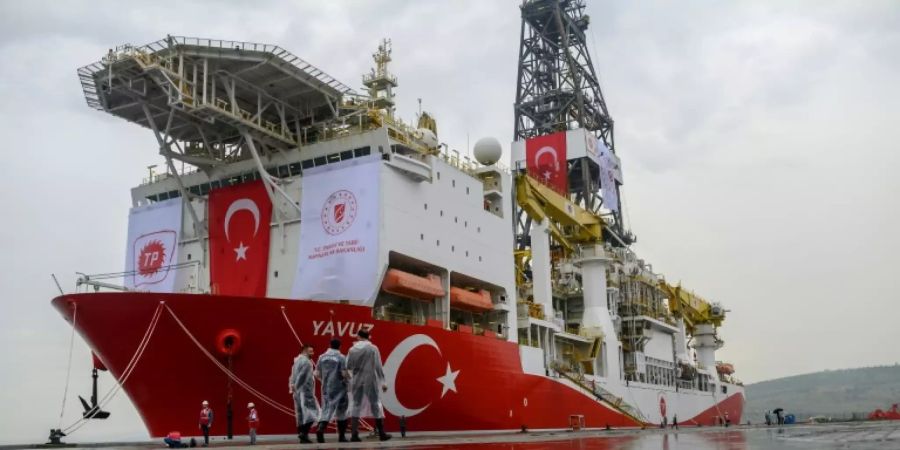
(210, 95)
(557, 86)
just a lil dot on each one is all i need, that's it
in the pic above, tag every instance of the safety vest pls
(253, 419)
(174, 435)
(205, 415)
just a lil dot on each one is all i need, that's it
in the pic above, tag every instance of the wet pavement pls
(857, 436)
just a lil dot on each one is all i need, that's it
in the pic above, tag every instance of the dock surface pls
(862, 436)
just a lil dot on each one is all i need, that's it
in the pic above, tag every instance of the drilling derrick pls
(557, 86)
(558, 90)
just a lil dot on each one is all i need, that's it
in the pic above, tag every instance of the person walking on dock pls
(252, 422)
(206, 421)
(366, 385)
(331, 370)
(302, 387)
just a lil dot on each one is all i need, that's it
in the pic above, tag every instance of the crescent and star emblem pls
(537, 161)
(242, 204)
(392, 367)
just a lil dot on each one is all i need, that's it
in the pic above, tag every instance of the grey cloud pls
(758, 140)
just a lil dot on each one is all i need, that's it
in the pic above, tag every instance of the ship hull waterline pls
(441, 380)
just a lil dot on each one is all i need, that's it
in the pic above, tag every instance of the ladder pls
(604, 396)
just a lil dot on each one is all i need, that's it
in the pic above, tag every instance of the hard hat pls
(205, 403)
(251, 405)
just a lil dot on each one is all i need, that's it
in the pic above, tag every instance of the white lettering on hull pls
(331, 328)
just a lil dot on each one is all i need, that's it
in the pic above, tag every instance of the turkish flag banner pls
(545, 159)
(239, 223)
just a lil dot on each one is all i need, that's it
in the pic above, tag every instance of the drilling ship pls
(293, 209)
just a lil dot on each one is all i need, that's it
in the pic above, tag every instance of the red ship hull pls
(173, 375)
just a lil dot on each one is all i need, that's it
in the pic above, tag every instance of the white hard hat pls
(205, 403)
(251, 405)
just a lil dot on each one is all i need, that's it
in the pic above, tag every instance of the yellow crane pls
(569, 224)
(691, 307)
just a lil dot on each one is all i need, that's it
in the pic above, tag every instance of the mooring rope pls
(278, 407)
(129, 369)
(62, 410)
(297, 336)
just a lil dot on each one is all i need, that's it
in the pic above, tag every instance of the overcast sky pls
(758, 140)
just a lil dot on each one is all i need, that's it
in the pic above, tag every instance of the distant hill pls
(832, 393)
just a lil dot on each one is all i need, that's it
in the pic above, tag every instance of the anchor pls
(92, 410)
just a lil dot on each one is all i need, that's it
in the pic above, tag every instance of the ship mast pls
(380, 82)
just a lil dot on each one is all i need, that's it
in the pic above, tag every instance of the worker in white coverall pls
(303, 386)
(331, 370)
(366, 385)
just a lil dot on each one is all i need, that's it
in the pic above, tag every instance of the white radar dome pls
(488, 151)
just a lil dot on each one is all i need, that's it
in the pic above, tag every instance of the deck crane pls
(691, 307)
(701, 319)
(568, 223)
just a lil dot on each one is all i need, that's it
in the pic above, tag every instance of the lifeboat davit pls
(407, 285)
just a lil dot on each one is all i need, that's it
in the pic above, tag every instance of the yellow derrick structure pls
(691, 307)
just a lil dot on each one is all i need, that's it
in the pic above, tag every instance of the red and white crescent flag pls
(239, 221)
(546, 160)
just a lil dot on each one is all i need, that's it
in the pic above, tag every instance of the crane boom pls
(691, 307)
(569, 223)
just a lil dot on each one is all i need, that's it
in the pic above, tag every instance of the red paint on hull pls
(173, 376)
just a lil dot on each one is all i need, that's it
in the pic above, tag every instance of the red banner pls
(239, 218)
(546, 160)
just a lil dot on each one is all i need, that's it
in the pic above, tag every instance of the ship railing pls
(466, 164)
(161, 46)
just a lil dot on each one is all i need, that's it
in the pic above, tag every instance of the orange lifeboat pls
(478, 301)
(725, 368)
(405, 284)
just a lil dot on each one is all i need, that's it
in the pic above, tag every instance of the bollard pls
(56, 437)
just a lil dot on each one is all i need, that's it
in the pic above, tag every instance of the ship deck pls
(866, 435)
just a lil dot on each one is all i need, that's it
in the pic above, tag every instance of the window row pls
(282, 171)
